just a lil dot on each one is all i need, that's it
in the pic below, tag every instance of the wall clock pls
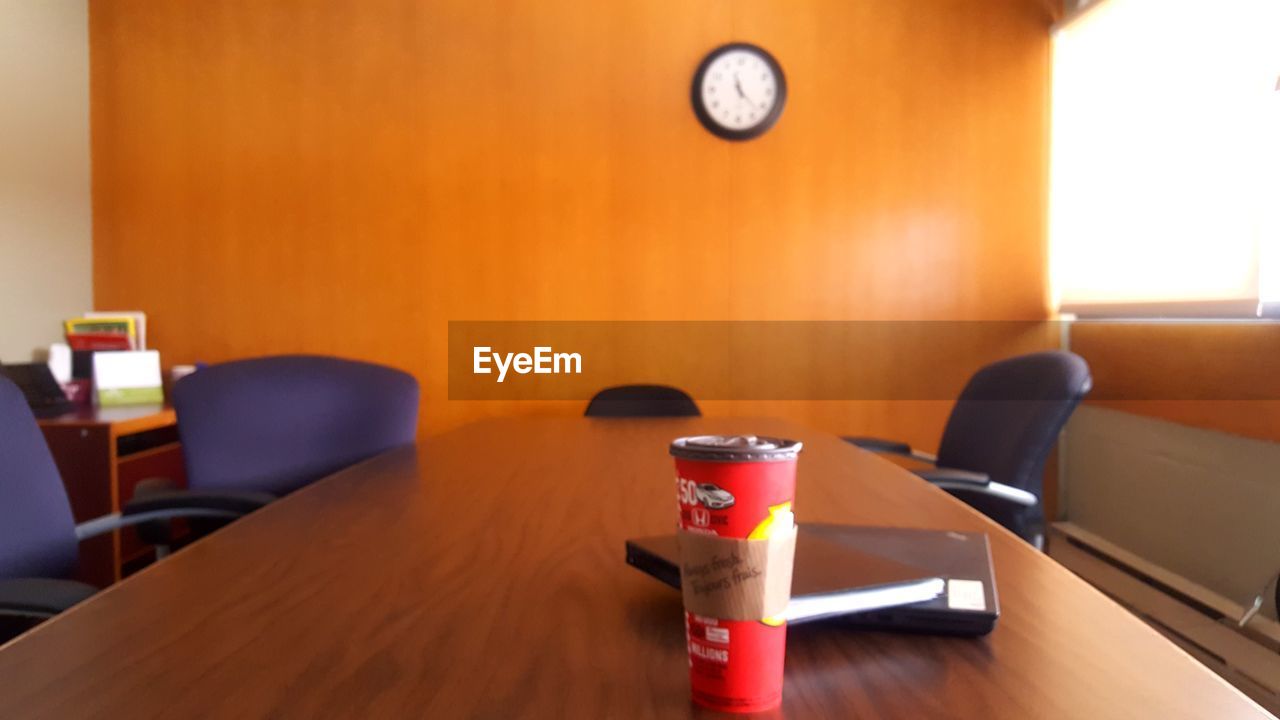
(739, 91)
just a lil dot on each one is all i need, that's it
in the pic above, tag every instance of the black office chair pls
(38, 536)
(642, 401)
(264, 427)
(1000, 431)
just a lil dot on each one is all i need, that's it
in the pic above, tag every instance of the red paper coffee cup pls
(735, 487)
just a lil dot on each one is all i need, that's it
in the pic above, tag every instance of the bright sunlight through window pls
(1165, 171)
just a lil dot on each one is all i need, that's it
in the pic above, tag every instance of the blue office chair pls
(642, 401)
(253, 430)
(1000, 432)
(38, 536)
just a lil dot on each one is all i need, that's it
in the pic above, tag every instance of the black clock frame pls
(780, 94)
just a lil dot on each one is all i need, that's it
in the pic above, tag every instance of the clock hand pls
(738, 84)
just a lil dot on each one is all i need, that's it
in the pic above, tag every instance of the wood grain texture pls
(122, 420)
(85, 456)
(348, 177)
(483, 576)
(1214, 375)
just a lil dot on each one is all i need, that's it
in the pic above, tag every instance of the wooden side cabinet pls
(102, 454)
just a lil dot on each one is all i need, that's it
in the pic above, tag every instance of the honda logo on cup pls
(700, 516)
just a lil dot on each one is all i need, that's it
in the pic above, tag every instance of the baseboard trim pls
(1194, 617)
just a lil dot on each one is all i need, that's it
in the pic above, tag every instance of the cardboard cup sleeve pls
(736, 579)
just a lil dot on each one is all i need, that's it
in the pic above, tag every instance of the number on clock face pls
(738, 91)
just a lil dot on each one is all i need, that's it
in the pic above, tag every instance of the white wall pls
(46, 244)
(1202, 503)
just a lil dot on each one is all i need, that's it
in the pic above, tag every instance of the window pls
(1165, 158)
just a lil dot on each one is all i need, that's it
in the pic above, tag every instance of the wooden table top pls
(122, 419)
(482, 575)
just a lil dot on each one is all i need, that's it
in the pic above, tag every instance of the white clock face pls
(739, 89)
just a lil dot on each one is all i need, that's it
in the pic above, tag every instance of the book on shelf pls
(139, 323)
(98, 341)
(102, 333)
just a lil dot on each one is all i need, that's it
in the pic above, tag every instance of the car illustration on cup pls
(714, 497)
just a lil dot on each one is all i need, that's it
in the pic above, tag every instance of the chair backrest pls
(1006, 421)
(37, 531)
(642, 401)
(275, 424)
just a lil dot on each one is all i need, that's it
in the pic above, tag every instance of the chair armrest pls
(879, 445)
(40, 597)
(216, 501)
(170, 504)
(978, 483)
(937, 475)
(891, 447)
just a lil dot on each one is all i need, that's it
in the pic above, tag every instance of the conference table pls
(481, 574)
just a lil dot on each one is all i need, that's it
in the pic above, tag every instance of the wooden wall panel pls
(1216, 375)
(347, 177)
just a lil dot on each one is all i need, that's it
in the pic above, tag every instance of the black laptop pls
(38, 385)
(964, 601)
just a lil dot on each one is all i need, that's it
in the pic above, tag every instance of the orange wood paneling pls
(1216, 375)
(348, 177)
